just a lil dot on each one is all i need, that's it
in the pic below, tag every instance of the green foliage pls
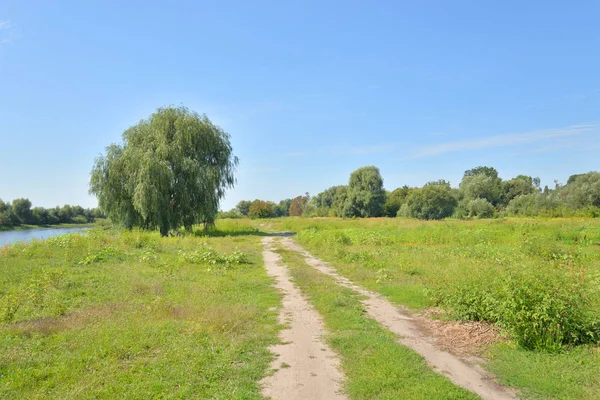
(210, 256)
(283, 208)
(22, 209)
(474, 208)
(365, 195)
(244, 207)
(490, 172)
(231, 214)
(20, 213)
(395, 200)
(520, 186)
(261, 209)
(171, 171)
(434, 201)
(329, 203)
(582, 191)
(481, 187)
(102, 255)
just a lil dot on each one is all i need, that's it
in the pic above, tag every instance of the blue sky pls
(308, 90)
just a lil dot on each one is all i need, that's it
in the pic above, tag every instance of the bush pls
(542, 310)
(480, 208)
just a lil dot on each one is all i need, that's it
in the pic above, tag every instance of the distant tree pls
(40, 216)
(487, 171)
(171, 170)
(283, 208)
(366, 195)
(298, 204)
(330, 202)
(338, 208)
(434, 201)
(394, 201)
(582, 191)
(573, 178)
(243, 207)
(65, 214)
(22, 210)
(481, 186)
(5, 211)
(518, 186)
(261, 209)
(478, 208)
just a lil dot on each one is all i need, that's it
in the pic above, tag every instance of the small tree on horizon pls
(365, 195)
(298, 204)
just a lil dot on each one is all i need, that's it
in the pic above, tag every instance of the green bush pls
(541, 309)
(543, 312)
(208, 255)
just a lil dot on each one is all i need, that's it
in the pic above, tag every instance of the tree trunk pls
(164, 230)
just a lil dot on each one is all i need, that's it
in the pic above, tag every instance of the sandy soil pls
(467, 375)
(305, 367)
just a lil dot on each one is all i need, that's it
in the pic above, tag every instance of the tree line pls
(20, 212)
(480, 194)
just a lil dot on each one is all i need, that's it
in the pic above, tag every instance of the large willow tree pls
(171, 171)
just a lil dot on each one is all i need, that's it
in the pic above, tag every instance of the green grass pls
(571, 374)
(376, 367)
(114, 314)
(538, 279)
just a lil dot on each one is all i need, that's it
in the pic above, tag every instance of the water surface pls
(10, 237)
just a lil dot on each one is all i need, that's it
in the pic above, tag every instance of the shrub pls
(542, 310)
(480, 208)
(545, 312)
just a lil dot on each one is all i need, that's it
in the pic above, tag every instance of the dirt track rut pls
(306, 368)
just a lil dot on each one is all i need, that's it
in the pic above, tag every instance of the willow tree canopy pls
(171, 170)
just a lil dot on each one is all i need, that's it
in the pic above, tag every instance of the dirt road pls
(306, 368)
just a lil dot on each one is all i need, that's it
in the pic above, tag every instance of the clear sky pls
(308, 90)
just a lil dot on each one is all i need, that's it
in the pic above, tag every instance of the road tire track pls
(305, 367)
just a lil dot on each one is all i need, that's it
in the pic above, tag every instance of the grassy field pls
(537, 279)
(117, 314)
(132, 315)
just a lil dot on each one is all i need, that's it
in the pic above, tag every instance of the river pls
(26, 235)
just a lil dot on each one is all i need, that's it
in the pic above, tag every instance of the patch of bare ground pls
(73, 320)
(464, 339)
(461, 371)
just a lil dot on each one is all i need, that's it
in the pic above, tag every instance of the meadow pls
(536, 279)
(128, 314)
(131, 314)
